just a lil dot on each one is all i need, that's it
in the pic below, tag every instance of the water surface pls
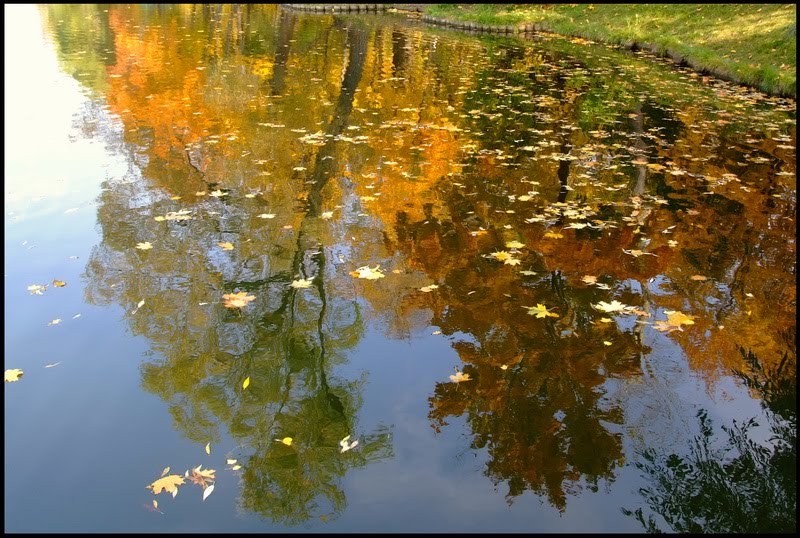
(598, 248)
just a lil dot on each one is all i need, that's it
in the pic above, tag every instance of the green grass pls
(753, 44)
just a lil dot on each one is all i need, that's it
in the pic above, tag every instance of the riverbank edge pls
(417, 11)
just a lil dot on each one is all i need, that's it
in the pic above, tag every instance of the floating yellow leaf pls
(218, 193)
(606, 343)
(246, 383)
(368, 273)
(208, 448)
(327, 215)
(237, 300)
(55, 322)
(428, 289)
(286, 441)
(266, 216)
(501, 256)
(301, 283)
(226, 246)
(589, 279)
(59, 283)
(168, 483)
(511, 261)
(540, 311)
(165, 471)
(514, 244)
(458, 377)
(144, 246)
(699, 277)
(674, 321)
(208, 491)
(13, 375)
(553, 235)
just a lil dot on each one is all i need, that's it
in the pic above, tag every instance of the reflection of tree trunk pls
(641, 169)
(398, 53)
(285, 30)
(326, 161)
(563, 172)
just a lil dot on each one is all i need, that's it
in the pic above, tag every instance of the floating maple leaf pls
(428, 289)
(514, 244)
(301, 283)
(144, 246)
(501, 256)
(169, 484)
(540, 311)
(674, 321)
(237, 300)
(589, 279)
(13, 375)
(368, 273)
(458, 377)
(613, 306)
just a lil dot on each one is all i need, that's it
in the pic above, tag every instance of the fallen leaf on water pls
(540, 311)
(226, 246)
(54, 322)
(301, 283)
(237, 300)
(266, 216)
(347, 446)
(208, 491)
(514, 244)
(674, 321)
(501, 256)
(202, 477)
(246, 383)
(327, 215)
(53, 365)
(606, 343)
(429, 288)
(458, 377)
(168, 483)
(208, 448)
(37, 289)
(144, 246)
(165, 471)
(589, 279)
(59, 283)
(368, 273)
(613, 306)
(230, 462)
(286, 441)
(13, 375)
(699, 277)
(553, 235)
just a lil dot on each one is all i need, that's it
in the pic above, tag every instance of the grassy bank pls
(753, 44)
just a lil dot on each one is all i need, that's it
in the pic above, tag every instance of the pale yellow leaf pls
(13, 375)
(208, 448)
(246, 383)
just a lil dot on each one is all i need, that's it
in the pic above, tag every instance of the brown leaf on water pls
(59, 283)
(202, 477)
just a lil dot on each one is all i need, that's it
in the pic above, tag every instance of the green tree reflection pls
(744, 486)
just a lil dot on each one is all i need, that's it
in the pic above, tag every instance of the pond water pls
(544, 284)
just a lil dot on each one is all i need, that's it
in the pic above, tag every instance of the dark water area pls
(547, 286)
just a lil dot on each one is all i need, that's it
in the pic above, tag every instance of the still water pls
(547, 286)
